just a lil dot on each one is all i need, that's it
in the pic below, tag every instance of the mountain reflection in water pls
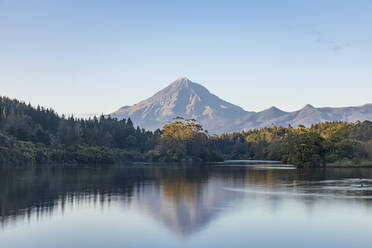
(184, 199)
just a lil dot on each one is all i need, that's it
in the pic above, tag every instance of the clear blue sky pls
(94, 56)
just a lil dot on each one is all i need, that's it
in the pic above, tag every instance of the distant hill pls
(191, 100)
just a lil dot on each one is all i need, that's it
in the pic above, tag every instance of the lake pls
(221, 205)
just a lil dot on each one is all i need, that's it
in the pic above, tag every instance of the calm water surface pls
(232, 205)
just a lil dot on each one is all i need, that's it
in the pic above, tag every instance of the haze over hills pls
(191, 100)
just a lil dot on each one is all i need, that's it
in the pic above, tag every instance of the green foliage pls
(185, 140)
(39, 136)
(320, 144)
(362, 131)
(33, 136)
(304, 149)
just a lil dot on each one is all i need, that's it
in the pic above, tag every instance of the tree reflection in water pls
(185, 199)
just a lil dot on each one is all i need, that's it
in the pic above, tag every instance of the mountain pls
(181, 98)
(191, 100)
(307, 116)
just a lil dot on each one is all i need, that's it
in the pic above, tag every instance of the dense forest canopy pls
(318, 145)
(32, 136)
(39, 135)
(186, 140)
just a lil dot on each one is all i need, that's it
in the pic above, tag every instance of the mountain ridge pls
(181, 98)
(192, 100)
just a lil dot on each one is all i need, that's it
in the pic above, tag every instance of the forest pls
(322, 144)
(39, 136)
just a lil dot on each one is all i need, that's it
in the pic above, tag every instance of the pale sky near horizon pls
(96, 56)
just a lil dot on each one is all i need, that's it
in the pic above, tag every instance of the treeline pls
(38, 135)
(185, 140)
(30, 135)
(326, 143)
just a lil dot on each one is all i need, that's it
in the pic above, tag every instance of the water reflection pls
(184, 199)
